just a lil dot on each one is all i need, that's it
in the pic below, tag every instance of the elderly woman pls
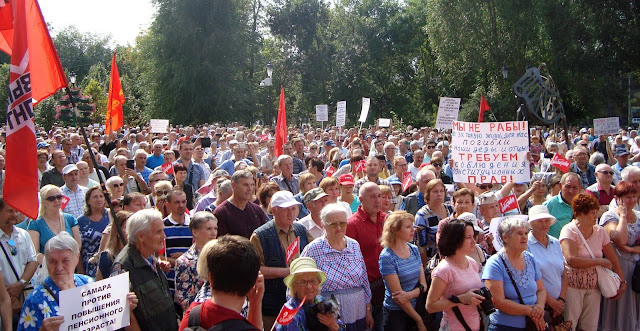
(304, 283)
(623, 228)
(514, 279)
(115, 186)
(341, 259)
(583, 295)
(401, 268)
(41, 308)
(548, 254)
(456, 277)
(428, 217)
(331, 187)
(204, 228)
(112, 245)
(463, 202)
(92, 223)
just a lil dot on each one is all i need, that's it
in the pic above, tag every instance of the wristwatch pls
(23, 282)
(454, 299)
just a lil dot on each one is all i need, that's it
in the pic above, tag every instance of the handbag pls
(635, 279)
(608, 281)
(531, 325)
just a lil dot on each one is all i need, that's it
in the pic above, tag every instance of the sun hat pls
(303, 265)
(539, 212)
(487, 198)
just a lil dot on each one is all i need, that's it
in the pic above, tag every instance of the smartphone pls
(205, 142)
(130, 164)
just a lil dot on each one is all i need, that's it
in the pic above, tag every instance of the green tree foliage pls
(99, 98)
(79, 51)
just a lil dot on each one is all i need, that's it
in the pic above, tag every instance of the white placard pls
(491, 152)
(101, 305)
(495, 223)
(322, 113)
(447, 112)
(159, 126)
(366, 103)
(384, 122)
(341, 114)
(607, 125)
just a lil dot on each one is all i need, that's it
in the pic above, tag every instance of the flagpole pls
(95, 166)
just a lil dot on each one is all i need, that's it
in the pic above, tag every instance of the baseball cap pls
(283, 199)
(346, 179)
(394, 181)
(42, 145)
(621, 153)
(487, 198)
(69, 168)
(330, 143)
(314, 194)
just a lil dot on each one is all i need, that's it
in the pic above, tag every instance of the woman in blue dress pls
(92, 223)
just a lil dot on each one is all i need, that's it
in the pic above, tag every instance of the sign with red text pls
(406, 180)
(560, 162)
(293, 249)
(167, 168)
(490, 152)
(508, 203)
(447, 112)
(607, 125)
(65, 202)
(287, 314)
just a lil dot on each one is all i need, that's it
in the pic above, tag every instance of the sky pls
(122, 19)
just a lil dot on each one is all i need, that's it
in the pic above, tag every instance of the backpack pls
(194, 323)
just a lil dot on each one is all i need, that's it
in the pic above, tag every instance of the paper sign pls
(293, 249)
(406, 180)
(495, 223)
(607, 125)
(447, 112)
(159, 126)
(366, 103)
(560, 162)
(491, 152)
(65, 202)
(101, 305)
(360, 166)
(384, 122)
(287, 314)
(322, 113)
(167, 168)
(508, 203)
(341, 114)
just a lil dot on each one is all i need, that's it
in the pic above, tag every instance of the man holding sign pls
(272, 240)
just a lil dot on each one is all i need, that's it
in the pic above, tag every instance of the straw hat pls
(302, 265)
(539, 212)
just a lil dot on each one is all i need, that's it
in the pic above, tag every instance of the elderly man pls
(155, 310)
(73, 191)
(414, 167)
(271, 240)
(315, 199)
(560, 205)
(83, 175)
(298, 156)
(373, 167)
(54, 175)
(582, 167)
(195, 174)
(603, 188)
(239, 154)
(622, 161)
(414, 201)
(488, 208)
(76, 150)
(287, 180)
(132, 180)
(154, 177)
(140, 161)
(239, 215)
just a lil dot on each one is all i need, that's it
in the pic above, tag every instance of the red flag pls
(167, 168)
(281, 125)
(6, 27)
(114, 117)
(360, 166)
(293, 249)
(331, 171)
(508, 203)
(163, 251)
(560, 162)
(65, 202)
(287, 314)
(406, 180)
(35, 73)
(484, 106)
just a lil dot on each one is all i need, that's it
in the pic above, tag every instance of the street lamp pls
(269, 69)
(505, 71)
(72, 78)
(268, 83)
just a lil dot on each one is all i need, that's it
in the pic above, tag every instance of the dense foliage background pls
(202, 60)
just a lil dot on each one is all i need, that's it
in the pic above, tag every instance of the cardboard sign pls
(406, 180)
(447, 112)
(366, 103)
(491, 152)
(293, 249)
(322, 113)
(65, 202)
(341, 114)
(159, 126)
(287, 314)
(495, 223)
(167, 168)
(101, 305)
(384, 122)
(508, 203)
(560, 162)
(606, 125)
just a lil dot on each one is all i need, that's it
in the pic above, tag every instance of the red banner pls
(406, 180)
(65, 202)
(287, 314)
(508, 203)
(293, 249)
(167, 168)
(114, 117)
(560, 162)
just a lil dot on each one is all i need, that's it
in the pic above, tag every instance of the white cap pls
(466, 216)
(69, 168)
(283, 199)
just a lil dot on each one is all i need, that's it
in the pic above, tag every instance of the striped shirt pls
(178, 240)
(408, 271)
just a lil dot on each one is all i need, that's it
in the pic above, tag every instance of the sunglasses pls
(13, 248)
(431, 147)
(163, 192)
(485, 186)
(436, 164)
(118, 185)
(610, 173)
(54, 198)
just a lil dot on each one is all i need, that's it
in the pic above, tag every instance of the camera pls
(486, 305)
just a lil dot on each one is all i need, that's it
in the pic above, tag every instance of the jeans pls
(378, 317)
(398, 320)
(498, 327)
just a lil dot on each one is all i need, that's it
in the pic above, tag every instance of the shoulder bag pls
(608, 281)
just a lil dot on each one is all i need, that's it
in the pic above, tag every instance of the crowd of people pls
(203, 217)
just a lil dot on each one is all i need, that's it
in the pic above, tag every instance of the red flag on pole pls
(560, 162)
(508, 203)
(6, 27)
(484, 106)
(281, 126)
(293, 249)
(287, 314)
(114, 117)
(35, 73)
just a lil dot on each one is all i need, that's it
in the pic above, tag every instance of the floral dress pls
(187, 281)
(40, 304)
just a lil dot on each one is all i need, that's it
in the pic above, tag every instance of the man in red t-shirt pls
(234, 266)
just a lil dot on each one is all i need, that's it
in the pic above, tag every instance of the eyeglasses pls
(54, 198)
(312, 282)
(337, 224)
(610, 173)
(436, 164)
(163, 192)
(431, 147)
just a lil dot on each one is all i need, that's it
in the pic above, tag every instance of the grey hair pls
(282, 158)
(567, 175)
(627, 171)
(224, 187)
(141, 151)
(141, 221)
(62, 241)
(596, 158)
(112, 180)
(241, 174)
(423, 172)
(332, 208)
(508, 225)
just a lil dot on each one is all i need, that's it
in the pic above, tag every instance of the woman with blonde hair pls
(115, 187)
(331, 187)
(307, 182)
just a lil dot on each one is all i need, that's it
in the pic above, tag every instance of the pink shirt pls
(458, 282)
(585, 279)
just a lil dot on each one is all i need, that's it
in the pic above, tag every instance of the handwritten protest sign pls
(101, 305)
(447, 112)
(341, 114)
(366, 103)
(159, 126)
(491, 152)
(607, 125)
(322, 113)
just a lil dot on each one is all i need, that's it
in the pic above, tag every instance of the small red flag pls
(65, 202)
(331, 171)
(167, 168)
(287, 314)
(163, 251)
(406, 180)
(293, 249)
(360, 166)
(508, 203)
(281, 125)
(484, 106)
(115, 118)
(560, 162)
